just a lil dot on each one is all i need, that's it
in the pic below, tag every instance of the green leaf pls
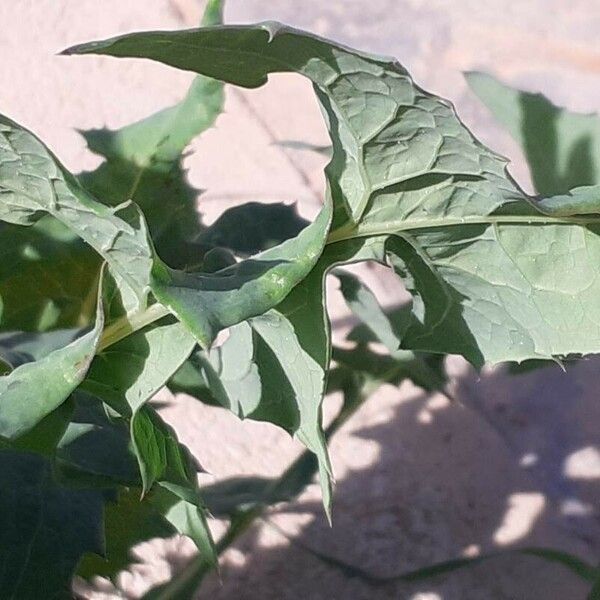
(480, 260)
(189, 519)
(161, 457)
(265, 371)
(34, 389)
(47, 271)
(95, 452)
(144, 164)
(128, 373)
(244, 499)
(274, 367)
(33, 182)
(584, 200)
(208, 303)
(46, 528)
(562, 148)
(125, 376)
(231, 376)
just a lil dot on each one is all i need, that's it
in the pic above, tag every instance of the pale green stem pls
(353, 230)
(128, 324)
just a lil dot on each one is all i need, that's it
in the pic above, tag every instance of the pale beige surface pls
(419, 479)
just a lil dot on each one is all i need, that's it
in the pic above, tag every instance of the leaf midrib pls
(129, 324)
(393, 227)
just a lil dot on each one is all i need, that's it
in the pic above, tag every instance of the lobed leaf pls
(95, 452)
(481, 261)
(125, 376)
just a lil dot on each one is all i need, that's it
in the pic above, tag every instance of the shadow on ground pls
(425, 480)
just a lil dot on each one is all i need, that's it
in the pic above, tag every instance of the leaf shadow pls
(539, 128)
(443, 480)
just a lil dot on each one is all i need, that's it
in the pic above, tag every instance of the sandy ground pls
(420, 479)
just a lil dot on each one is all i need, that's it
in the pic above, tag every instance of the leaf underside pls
(495, 275)
(481, 262)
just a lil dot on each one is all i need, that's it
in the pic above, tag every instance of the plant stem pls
(128, 324)
(354, 230)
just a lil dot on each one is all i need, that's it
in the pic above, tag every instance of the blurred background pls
(514, 460)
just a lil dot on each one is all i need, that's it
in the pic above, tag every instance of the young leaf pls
(161, 457)
(479, 259)
(562, 148)
(46, 528)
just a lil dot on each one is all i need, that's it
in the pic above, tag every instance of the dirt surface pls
(514, 461)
